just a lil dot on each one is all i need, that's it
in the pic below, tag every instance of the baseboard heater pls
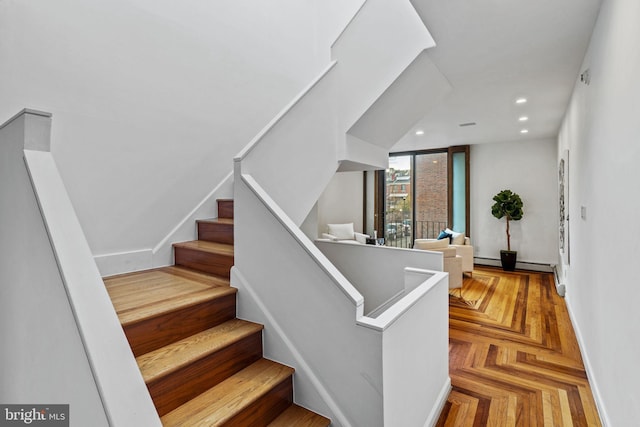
(531, 266)
(560, 288)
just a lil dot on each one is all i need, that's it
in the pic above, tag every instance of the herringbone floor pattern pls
(513, 356)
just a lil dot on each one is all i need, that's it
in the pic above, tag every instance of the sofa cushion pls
(444, 235)
(456, 238)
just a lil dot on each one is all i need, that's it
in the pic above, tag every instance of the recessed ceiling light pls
(521, 100)
(524, 131)
(419, 132)
(523, 118)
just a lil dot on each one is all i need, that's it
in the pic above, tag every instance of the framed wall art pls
(563, 205)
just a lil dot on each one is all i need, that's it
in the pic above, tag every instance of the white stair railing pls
(387, 369)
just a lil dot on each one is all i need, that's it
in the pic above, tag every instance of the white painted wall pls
(368, 58)
(152, 99)
(601, 132)
(529, 169)
(342, 202)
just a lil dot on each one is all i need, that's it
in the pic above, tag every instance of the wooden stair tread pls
(181, 353)
(174, 304)
(145, 294)
(228, 221)
(122, 287)
(225, 400)
(300, 417)
(205, 246)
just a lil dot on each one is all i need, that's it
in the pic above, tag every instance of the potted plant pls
(509, 205)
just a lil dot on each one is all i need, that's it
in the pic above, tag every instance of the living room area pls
(531, 170)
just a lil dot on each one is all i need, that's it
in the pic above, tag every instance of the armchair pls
(463, 247)
(452, 263)
(344, 233)
(465, 250)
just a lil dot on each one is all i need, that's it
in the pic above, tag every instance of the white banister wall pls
(296, 155)
(377, 272)
(310, 321)
(415, 354)
(346, 363)
(313, 316)
(62, 341)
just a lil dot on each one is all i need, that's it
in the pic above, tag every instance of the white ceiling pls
(494, 51)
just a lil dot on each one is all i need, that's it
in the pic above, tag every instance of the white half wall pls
(377, 272)
(42, 359)
(601, 132)
(529, 169)
(62, 342)
(152, 99)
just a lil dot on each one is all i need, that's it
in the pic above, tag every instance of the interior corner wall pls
(342, 201)
(601, 132)
(151, 100)
(529, 169)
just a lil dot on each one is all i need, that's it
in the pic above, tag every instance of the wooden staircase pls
(202, 365)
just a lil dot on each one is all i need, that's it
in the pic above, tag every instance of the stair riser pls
(225, 208)
(184, 384)
(265, 409)
(151, 334)
(217, 264)
(215, 232)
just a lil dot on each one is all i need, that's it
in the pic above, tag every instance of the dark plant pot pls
(508, 259)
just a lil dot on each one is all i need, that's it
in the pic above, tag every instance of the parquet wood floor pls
(513, 356)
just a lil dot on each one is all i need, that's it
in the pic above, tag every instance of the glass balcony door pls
(424, 193)
(398, 212)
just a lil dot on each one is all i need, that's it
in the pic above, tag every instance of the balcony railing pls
(400, 235)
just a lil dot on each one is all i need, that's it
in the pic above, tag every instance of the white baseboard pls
(597, 395)
(124, 262)
(433, 417)
(162, 254)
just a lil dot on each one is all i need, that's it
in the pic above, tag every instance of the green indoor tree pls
(509, 205)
